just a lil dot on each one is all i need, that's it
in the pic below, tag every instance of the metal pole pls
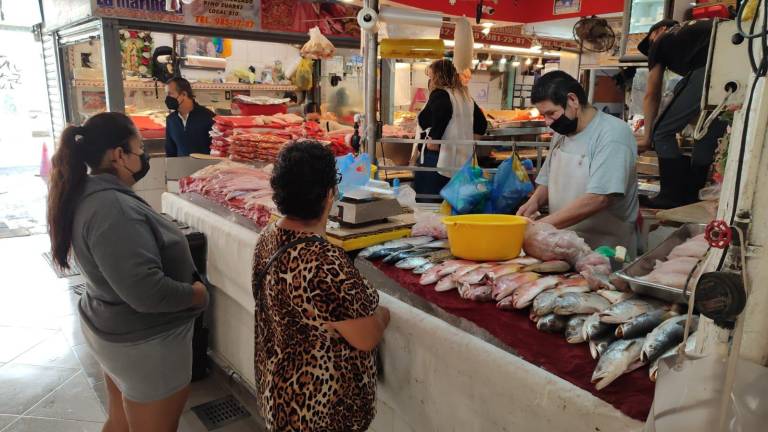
(371, 56)
(111, 58)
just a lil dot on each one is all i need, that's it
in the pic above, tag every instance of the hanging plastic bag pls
(355, 172)
(302, 77)
(468, 190)
(318, 47)
(511, 186)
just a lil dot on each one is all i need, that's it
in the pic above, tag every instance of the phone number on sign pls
(225, 22)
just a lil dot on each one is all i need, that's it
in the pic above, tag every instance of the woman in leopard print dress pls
(317, 319)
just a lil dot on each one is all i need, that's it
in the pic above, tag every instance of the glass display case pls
(639, 16)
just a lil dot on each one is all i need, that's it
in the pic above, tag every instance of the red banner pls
(508, 36)
(333, 19)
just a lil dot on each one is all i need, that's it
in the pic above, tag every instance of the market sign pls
(511, 37)
(225, 14)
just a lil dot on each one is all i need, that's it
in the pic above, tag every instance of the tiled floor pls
(49, 381)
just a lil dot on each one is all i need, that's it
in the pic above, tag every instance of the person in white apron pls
(450, 114)
(589, 179)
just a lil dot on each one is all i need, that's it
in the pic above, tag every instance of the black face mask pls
(142, 172)
(564, 125)
(171, 103)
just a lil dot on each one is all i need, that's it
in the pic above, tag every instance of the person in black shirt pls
(188, 127)
(682, 49)
(450, 114)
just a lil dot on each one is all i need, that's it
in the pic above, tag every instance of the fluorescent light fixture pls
(449, 43)
(552, 53)
(516, 63)
(477, 46)
(487, 24)
(489, 62)
(528, 62)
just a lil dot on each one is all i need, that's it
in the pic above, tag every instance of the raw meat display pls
(241, 188)
(680, 265)
(617, 326)
(547, 243)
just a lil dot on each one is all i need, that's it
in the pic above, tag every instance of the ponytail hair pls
(445, 77)
(80, 148)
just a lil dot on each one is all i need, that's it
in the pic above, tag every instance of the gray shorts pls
(148, 370)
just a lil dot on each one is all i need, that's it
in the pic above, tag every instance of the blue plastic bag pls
(511, 186)
(467, 191)
(355, 172)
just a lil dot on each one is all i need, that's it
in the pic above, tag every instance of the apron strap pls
(259, 280)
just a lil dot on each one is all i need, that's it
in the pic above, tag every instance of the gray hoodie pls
(136, 263)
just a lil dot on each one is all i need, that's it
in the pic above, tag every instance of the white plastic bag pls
(318, 47)
(429, 224)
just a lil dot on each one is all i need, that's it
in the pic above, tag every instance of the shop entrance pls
(26, 124)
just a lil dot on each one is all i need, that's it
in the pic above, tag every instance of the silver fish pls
(408, 253)
(573, 328)
(545, 302)
(367, 252)
(552, 323)
(424, 268)
(580, 303)
(653, 370)
(411, 263)
(598, 346)
(384, 252)
(621, 357)
(640, 325)
(668, 334)
(594, 328)
(624, 311)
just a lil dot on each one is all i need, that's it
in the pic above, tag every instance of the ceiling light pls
(528, 62)
(486, 31)
(449, 43)
(489, 62)
(475, 62)
(503, 61)
(516, 63)
(514, 49)
(477, 46)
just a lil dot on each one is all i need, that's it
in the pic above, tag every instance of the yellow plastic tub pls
(485, 237)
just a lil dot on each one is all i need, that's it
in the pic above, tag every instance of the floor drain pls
(78, 289)
(220, 412)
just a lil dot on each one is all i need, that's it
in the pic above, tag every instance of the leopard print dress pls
(309, 378)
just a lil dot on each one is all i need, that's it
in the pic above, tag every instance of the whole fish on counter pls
(573, 333)
(385, 249)
(548, 267)
(475, 276)
(668, 334)
(420, 270)
(615, 296)
(621, 357)
(408, 253)
(411, 263)
(451, 281)
(642, 324)
(552, 323)
(653, 370)
(524, 261)
(435, 273)
(478, 293)
(501, 270)
(544, 303)
(523, 296)
(580, 303)
(598, 346)
(595, 329)
(505, 286)
(624, 311)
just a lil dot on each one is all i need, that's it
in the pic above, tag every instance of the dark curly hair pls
(304, 173)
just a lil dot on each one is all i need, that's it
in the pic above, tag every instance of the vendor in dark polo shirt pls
(682, 49)
(187, 128)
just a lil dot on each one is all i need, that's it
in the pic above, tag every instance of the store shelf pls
(146, 85)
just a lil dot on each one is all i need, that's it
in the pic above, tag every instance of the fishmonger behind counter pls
(188, 127)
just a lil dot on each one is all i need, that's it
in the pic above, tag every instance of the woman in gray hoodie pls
(142, 294)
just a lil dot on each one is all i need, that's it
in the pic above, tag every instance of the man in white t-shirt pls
(589, 179)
